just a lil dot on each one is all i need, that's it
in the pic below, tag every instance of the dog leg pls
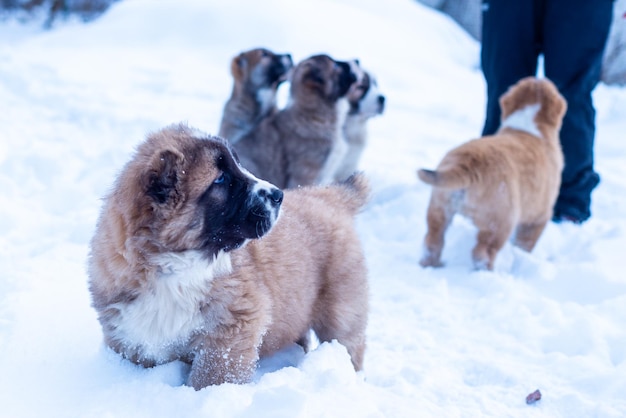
(527, 235)
(215, 364)
(341, 317)
(353, 338)
(347, 326)
(305, 341)
(489, 242)
(439, 217)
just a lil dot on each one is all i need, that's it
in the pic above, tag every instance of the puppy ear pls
(555, 106)
(161, 181)
(314, 78)
(507, 104)
(238, 66)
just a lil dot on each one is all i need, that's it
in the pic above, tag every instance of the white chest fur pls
(168, 310)
(339, 147)
(266, 98)
(524, 120)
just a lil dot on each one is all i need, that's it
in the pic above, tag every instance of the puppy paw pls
(483, 264)
(428, 261)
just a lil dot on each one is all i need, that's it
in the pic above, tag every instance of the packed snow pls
(448, 342)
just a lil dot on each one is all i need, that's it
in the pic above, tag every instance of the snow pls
(447, 342)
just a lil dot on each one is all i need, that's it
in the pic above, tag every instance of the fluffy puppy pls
(188, 261)
(302, 144)
(257, 73)
(366, 101)
(506, 183)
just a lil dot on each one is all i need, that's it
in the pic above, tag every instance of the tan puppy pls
(257, 73)
(302, 145)
(177, 269)
(506, 183)
(366, 101)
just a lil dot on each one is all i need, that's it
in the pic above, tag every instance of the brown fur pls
(257, 74)
(301, 145)
(307, 272)
(506, 183)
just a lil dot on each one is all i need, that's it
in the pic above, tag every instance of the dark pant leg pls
(575, 33)
(509, 50)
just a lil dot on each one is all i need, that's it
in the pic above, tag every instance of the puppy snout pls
(287, 60)
(381, 103)
(273, 196)
(276, 197)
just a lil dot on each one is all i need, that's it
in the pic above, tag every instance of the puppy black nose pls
(273, 196)
(276, 196)
(381, 101)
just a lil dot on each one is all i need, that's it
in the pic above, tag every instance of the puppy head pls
(532, 91)
(185, 190)
(321, 78)
(364, 96)
(260, 68)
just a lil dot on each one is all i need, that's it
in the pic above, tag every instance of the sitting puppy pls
(191, 261)
(366, 101)
(257, 74)
(504, 183)
(301, 145)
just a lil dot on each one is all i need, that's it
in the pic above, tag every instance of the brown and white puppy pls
(302, 145)
(189, 262)
(257, 73)
(366, 101)
(506, 183)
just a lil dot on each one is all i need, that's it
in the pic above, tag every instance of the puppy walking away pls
(506, 183)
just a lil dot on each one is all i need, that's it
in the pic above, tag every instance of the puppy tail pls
(454, 178)
(358, 191)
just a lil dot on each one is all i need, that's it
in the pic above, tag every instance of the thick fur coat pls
(506, 183)
(195, 259)
(257, 74)
(302, 145)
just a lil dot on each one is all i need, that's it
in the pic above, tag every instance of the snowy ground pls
(442, 343)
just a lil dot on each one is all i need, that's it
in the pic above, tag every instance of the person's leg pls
(509, 50)
(575, 33)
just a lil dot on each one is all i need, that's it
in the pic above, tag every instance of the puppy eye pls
(221, 179)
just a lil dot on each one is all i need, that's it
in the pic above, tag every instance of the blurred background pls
(467, 13)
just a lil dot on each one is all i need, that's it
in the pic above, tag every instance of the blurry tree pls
(467, 13)
(85, 9)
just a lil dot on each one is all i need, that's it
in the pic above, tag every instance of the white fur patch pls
(168, 310)
(267, 187)
(524, 120)
(339, 148)
(266, 97)
(369, 104)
